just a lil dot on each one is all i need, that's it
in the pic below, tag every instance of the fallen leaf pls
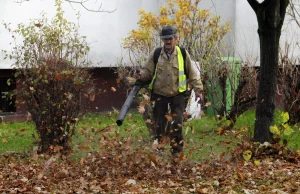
(131, 80)
(247, 155)
(141, 109)
(81, 161)
(257, 162)
(169, 118)
(92, 97)
(113, 89)
(4, 140)
(130, 182)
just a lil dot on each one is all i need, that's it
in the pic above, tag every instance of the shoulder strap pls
(156, 55)
(183, 52)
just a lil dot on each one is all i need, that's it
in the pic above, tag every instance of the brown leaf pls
(35, 156)
(81, 161)
(153, 158)
(92, 97)
(221, 131)
(38, 25)
(141, 109)
(58, 77)
(169, 118)
(40, 176)
(84, 147)
(4, 140)
(113, 89)
(146, 97)
(12, 165)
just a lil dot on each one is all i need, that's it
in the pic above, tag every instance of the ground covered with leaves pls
(120, 167)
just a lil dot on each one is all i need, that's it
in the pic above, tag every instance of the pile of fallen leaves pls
(119, 167)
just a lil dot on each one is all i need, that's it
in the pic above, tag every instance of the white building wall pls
(226, 10)
(247, 39)
(104, 31)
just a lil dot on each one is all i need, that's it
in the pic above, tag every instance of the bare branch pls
(294, 12)
(81, 2)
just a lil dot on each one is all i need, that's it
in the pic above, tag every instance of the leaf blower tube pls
(127, 104)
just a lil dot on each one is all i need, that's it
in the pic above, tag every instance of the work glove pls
(198, 94)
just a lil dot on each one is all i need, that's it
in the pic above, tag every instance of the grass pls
(203, 137)
(17, 137)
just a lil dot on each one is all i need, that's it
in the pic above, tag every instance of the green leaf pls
(274, 129)
(8, 82)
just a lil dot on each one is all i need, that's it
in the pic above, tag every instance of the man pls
(169, 84)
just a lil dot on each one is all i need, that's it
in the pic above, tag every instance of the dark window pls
(6, 103)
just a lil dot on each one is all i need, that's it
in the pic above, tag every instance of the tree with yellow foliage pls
(199, 32)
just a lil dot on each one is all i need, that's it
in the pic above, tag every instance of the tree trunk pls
(270, 16)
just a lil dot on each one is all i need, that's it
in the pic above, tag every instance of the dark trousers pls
(169, 124)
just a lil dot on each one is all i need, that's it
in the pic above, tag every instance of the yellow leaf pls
(256, 162)
(285, 117)
(274, 129)
(287, 130)
(247, 155)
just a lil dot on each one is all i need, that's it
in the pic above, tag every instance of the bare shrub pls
(289, 84)
(51, 77)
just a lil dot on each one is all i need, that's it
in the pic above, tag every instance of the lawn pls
(111, 159)
(202, 136)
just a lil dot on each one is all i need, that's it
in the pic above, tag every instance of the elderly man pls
(170, 70)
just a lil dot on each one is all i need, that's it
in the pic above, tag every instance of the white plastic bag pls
(193, 107)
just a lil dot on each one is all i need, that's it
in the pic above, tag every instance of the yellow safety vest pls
(182, 77)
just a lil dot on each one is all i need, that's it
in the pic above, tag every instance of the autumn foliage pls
(199, 32)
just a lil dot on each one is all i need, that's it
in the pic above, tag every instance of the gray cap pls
(167, 32)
